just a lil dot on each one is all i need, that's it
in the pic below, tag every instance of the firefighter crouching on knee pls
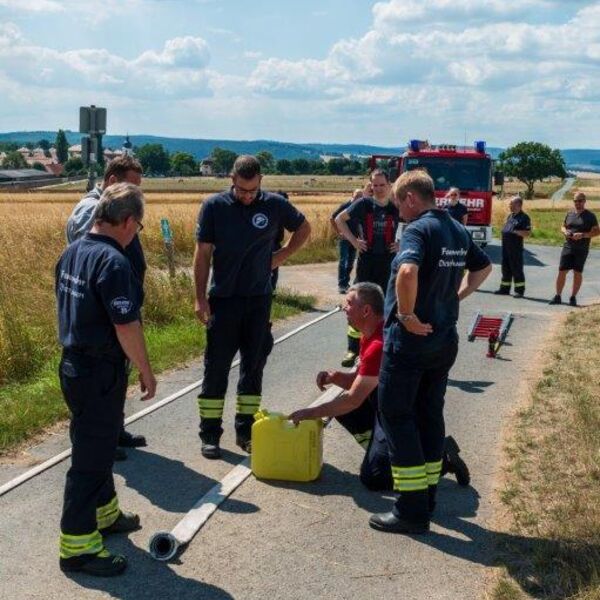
(356, 408)
(98, 301)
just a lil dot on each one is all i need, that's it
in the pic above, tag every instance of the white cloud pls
(32, 5)
(179, 69)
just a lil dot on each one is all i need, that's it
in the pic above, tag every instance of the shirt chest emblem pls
(260, 221)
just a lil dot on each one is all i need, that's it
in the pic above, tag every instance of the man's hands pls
(202, 309)
(324, 378)
(414, 326)
(577, 236)
(361, 245)
(147, 385)
(393, 248)
(302, 415)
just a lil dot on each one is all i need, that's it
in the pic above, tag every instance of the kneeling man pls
(356, 409)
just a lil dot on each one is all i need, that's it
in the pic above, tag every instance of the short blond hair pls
(417, 181)
(579, 196)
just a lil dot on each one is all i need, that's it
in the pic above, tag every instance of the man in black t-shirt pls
(98, 301)
(579, 227)
(420, 345)
(377, 220)
(346, 249)
(237, 231)
(515, 230)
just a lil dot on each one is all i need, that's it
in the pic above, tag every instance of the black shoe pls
(125, 523)
(502, 292)
(102, 564)
(120, 454)
(130, 440)
(390, 523)
(211, 450)
(556, 300)
(244, 443)
(572, 301)
(518, 295)
(454, 463)
(349, 359)
(342, 289)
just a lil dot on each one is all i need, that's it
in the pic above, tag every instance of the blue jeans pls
(347, 256)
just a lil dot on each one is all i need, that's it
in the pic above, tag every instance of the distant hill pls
(575, 158)
(200, 148)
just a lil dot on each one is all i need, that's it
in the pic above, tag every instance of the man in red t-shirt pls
(356, 408)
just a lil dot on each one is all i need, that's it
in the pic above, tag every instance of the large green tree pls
(266, 160)
(223, 160)
(183, 163)
(14, 160)
(530, 162)
(154, 159)
(62, 147)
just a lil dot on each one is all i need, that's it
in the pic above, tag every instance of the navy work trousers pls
(236, 323)
(94, 389)
(375, 268)
(412, 388)
(346, 262)
(512, 263)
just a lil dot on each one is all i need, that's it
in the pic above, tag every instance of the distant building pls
(21, 175)
(207, 167)
(127, 146)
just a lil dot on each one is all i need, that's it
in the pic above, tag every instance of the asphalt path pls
(287, 540)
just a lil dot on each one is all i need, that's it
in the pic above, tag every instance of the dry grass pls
(553, 478)
(288, 183)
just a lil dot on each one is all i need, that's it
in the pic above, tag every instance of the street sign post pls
(92, 120)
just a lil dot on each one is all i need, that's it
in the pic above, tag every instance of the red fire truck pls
(468, 169)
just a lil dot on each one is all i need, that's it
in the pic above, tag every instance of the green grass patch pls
(35, 401)
(552, 488)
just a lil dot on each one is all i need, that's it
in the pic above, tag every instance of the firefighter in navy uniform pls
(515, 230)
(377, 220)
(98, 301)
(356, 409)
(237, 230)
(123, 169)
(420, 346)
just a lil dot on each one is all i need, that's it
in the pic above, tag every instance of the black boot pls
(102, 564)
(453, 463)
(130, 440)
(390, 523)
(210, 445)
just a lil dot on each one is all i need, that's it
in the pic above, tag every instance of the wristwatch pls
(405, 317)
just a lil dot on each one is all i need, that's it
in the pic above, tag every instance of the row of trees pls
(155, 159)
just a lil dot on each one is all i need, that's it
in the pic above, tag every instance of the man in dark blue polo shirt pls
(128, 170)
(420, 345)
(237, 231)
(98, 301)
(515, 230)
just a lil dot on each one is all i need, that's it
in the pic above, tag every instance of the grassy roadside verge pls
(28, 406)
(552, 483)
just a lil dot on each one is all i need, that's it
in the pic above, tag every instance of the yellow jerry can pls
(280, 450)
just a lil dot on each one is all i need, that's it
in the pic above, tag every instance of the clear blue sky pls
(327, 70)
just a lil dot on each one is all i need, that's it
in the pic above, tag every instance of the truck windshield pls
(463, 173)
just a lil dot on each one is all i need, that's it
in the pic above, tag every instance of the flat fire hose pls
(164, 545)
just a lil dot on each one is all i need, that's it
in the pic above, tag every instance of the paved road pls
(559, 193)
(288, 540)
